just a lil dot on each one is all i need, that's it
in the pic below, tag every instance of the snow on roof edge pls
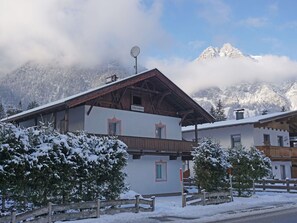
(63, 100)
(234, 122)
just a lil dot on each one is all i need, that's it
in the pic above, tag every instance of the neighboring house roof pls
(190, 111)
(278, 116)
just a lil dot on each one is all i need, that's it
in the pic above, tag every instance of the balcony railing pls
(160, 145)
(278, 152)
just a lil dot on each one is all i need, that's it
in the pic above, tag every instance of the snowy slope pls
(49, 82)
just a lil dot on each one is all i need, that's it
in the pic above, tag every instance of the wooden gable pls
(150, 92)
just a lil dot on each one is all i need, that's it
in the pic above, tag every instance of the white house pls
(272, 133)
(146, 111)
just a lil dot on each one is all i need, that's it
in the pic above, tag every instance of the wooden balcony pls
(151, 145)
(279, 153)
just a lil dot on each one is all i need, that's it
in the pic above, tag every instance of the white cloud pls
(256, 22)
(84, 31)
(193, 75)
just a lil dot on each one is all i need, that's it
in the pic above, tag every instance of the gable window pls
(114, 126)
(266, 138)
(235, 141)
(136, 100)
(160, 130)
(161, 171)
(280, 141)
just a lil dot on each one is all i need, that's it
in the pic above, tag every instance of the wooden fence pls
(275, 185)
(207, 198)
(83, 210)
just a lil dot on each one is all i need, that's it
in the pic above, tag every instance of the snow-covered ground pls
(168, 209)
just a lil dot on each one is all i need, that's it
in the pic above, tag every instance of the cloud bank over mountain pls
(224, 71)
(83, 31)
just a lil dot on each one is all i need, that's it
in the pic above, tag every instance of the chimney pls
(111, 79)
(239, 113)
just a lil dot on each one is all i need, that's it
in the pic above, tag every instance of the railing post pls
(231, 194)
(254, 189)
(13, 216)
(137, 203)
(98, 208)
(263, 182)
(153, 203)
(49, 207)
(204, 197)
(288, 185)
(184, 202)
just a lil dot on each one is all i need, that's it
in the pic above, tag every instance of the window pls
(114, 126)
(266, 139)
(161, 171)
(280, 141)
(136, 100)
(235, 141)
(283, 172)
(160, 131)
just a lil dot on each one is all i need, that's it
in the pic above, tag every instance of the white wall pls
(142, 179)
(276, 169)
(223, 135)
(132, 123)
(259, 138)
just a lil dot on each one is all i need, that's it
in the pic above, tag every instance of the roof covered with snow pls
(251, 120)
(185, 107)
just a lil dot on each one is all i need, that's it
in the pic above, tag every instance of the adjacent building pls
(146, 111)
(275, 134)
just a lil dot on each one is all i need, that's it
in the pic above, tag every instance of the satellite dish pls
(135, 51)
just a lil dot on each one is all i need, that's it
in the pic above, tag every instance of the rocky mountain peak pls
(227, 50)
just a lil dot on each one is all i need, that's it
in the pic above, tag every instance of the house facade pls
(146, 111)
(272, 133)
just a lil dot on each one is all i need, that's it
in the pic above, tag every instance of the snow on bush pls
(38, 165)
(247, 165)
(210, 165)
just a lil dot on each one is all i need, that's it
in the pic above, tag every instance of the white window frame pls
(161, 171)
(160, 131)
(117, 123)
(280, 141)
(266, 142)
(235, 144)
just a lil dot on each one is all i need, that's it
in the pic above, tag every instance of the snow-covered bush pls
(247, 165)
(261, 164)
(210, 165)
(14, 166)
(38, 165)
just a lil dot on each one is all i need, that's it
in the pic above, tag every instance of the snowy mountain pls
(227, 50)
(49, 82)
(254, 97)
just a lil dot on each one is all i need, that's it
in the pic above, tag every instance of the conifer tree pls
(210, 165)
(220, 114)
(32, 104)
(2, 111)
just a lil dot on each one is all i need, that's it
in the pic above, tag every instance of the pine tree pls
(32, 104)
(248, 165)
(241, 170)
(220, 114)
(210, 165)
(212, 111)
(2, 111)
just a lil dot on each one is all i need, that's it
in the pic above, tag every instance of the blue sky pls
(170, 33)
(254, 26)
